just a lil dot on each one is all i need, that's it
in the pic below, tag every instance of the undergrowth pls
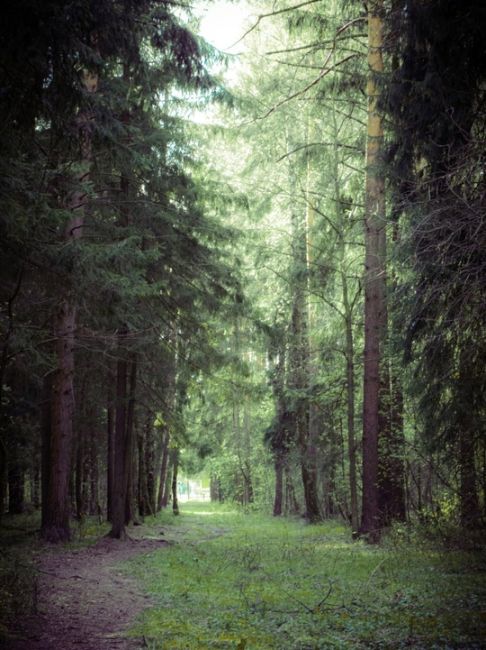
(230, 580)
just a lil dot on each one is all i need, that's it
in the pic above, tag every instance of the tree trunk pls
(145, 474)
(175, 470)
(310, 473)
(163, 469)
(110, 461)
(79, 479)
(130, 484)
(120, 453)
(16, 481)
(279, 471)
(215, 490)
(246, 465)
(3, 476)
(483, 477)
(167, 488)
(299, 360)
(142, 487)
(280, 436)
(55, 522)
(341, 222)
(374, 278)
(45, 450)
(391, 497)
(350, 406)
(36, 477)
(94, 500)
(291, 504)
(149, 463)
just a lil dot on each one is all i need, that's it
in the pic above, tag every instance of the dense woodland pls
(274, 278)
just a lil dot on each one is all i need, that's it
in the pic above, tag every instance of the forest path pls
(83, 598)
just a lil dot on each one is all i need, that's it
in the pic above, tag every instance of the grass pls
(248, 581)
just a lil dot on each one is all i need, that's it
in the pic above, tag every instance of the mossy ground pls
(248, 581)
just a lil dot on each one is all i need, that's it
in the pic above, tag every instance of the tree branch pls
(273, 13)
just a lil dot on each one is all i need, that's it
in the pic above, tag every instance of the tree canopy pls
(272, 279)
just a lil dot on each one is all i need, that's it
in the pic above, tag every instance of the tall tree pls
(55, 523)
(375, 276)
(436, 104)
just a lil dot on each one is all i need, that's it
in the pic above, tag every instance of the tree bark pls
(120, 469)
(130, 446)
(175, 471)
(94, 500)
(79, 478)
(350, 405)
(374, 278)
(246, 469)
(16, 484)
(299, 360)
(142, 484)
(291, 503)
(3, 475)
(391, 496)
(163, 469)
(150, 462)
(36, 477)
(145, 473)
(55, 522)
(167, 487)
(110, 431)
(279, 471)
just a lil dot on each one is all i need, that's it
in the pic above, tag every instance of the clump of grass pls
(231, 580)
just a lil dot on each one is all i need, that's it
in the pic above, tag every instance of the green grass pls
(234, 580)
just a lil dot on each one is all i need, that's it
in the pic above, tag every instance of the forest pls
(243, 247)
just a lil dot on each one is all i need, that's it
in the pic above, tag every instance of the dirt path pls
(84, 600)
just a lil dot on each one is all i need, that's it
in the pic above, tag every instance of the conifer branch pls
(324, 71)
(273, 13)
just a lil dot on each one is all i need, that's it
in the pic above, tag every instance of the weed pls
(231, 580)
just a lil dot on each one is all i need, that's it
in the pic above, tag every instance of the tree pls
(92, 157)
(435, 100)
(374, 279)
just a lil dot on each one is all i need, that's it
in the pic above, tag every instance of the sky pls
(224, 23)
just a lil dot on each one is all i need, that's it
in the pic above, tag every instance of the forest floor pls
(78, 596)
(215, 577)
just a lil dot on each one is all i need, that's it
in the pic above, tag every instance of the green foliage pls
(435, 99)
(230, 580)
(149, 257)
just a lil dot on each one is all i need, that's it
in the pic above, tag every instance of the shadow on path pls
(83, 598)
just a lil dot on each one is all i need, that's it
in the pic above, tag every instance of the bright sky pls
(224, 23)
